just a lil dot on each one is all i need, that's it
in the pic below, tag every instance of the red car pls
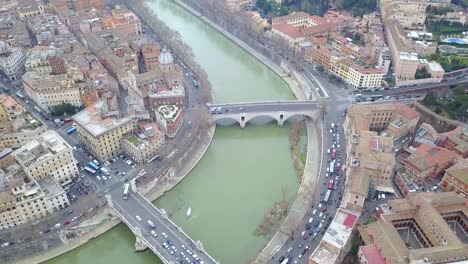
(324, 210)
(306, 236)
(67, 120)
(338, 168)
(66, 223)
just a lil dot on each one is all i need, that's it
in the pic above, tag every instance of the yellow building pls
(10, 109)
(48, 156)
(237, 4)
(100, 131)
(24, 199)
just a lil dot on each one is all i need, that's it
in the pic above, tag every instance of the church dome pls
(165, 57)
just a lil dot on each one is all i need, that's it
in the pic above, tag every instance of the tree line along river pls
(243, 172)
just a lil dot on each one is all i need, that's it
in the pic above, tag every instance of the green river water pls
(243, 172)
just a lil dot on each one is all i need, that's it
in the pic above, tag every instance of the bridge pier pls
(140, 245)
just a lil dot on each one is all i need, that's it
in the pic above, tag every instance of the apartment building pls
(11, 61)
(6, 157)
(18, 132)
(456, 178)
(144, 145)
(238, 4)
(150, 52)
(48, 91)
(124, 20)
(38, 59)
(101, 130)
(29, 8)
(10, 109)
(48, 156)
(23, 199)
(417, 229)
(170, 119)
(358, 76)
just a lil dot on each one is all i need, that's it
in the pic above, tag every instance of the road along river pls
(243, 172)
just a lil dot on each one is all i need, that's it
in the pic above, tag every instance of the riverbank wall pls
(314, 128)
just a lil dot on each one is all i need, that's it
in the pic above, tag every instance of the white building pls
(11, 61)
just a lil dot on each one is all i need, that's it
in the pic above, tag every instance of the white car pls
(289, 250)
(164, 235)
(138, 218)
(315, 211)
(303, 233)
(154, 233)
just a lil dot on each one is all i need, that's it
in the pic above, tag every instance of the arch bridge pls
(261, 113)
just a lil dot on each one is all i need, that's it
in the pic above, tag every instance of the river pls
(243, 172)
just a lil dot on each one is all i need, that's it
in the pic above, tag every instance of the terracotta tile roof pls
(284, 19)
(459, 171)
(427, 156)
(288, 30)
(319, 40)
(372, 254)
(407, 111)
(318, 20)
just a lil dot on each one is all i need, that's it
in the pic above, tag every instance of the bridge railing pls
(178, 228)
(293, 102)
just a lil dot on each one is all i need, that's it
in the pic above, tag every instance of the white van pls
(311, 220)
(328, 151)
(321, 214)
(105, 171)
(315, 211)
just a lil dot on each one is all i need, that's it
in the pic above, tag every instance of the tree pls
(459, 90)
(320, 68)
(422, 73)
(63, 109)
(430, 99)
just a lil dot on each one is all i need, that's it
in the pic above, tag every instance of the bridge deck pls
(135, 205)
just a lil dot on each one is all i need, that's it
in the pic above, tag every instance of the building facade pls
(48, 156)
(12, 61)
(101, 131)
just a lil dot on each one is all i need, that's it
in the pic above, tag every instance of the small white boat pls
(188, 212)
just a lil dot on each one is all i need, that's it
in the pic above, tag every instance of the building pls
(429, 162)
(170, 118)
(417, 229)
(23, 199)
(456, 178)
(299, 26)
(458, 141)
(48, 156)
(335, 243)
(123, 20)
(101, 130)
(370, 132)
(6, 157)
(370, 254)
(16, 133)
(357, 76)
(150, 52)
(11, 61)
(29, 8)
(48, 91)
(10, 109)
(13, 31)
(238, 4)
(144, 145)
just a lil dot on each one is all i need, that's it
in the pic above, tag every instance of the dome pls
(165, 57)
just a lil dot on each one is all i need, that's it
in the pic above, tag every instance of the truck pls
(151, 224)
(332, 168)
(285, 261)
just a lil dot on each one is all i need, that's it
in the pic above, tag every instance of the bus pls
(285, 261)
(330, 184)
(126, 191)
(88, 169)
(94, 166)
(332, 168)
(71, 130)
(195, 83)
(38, 109)
(327, 196)
(333, 154)
(20, 95)
(96, 162)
